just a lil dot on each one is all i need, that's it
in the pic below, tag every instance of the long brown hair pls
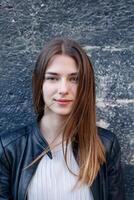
(80, 127)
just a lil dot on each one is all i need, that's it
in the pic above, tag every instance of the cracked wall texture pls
(105, 28)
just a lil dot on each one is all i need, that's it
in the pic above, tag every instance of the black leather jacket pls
(19, 149)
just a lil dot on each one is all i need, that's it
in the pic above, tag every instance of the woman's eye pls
(74, 79)
(51, 78)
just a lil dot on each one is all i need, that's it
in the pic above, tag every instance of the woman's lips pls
(63, 101)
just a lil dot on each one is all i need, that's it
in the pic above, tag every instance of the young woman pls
(63, 155)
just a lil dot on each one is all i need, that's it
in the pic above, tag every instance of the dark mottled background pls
(106, 30)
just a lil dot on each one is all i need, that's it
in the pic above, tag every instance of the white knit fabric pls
(53, 181)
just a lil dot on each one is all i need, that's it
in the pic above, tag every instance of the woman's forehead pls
(62, 64)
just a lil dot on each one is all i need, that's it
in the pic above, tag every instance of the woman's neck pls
(51, 127)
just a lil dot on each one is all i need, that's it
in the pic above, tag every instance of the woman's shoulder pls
(109, 140)
(11, 137)
(106, 134)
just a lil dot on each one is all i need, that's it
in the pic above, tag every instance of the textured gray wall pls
(105, 28)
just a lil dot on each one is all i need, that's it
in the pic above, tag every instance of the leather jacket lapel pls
(95, 189)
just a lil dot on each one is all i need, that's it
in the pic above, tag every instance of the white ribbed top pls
(53, 181)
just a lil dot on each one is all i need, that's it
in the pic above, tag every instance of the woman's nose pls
(63, 87)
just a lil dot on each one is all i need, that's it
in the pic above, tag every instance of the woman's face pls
(60, 85)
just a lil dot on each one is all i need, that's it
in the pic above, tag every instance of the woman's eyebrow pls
(73, 74)
(52, 73)
(56, 74)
